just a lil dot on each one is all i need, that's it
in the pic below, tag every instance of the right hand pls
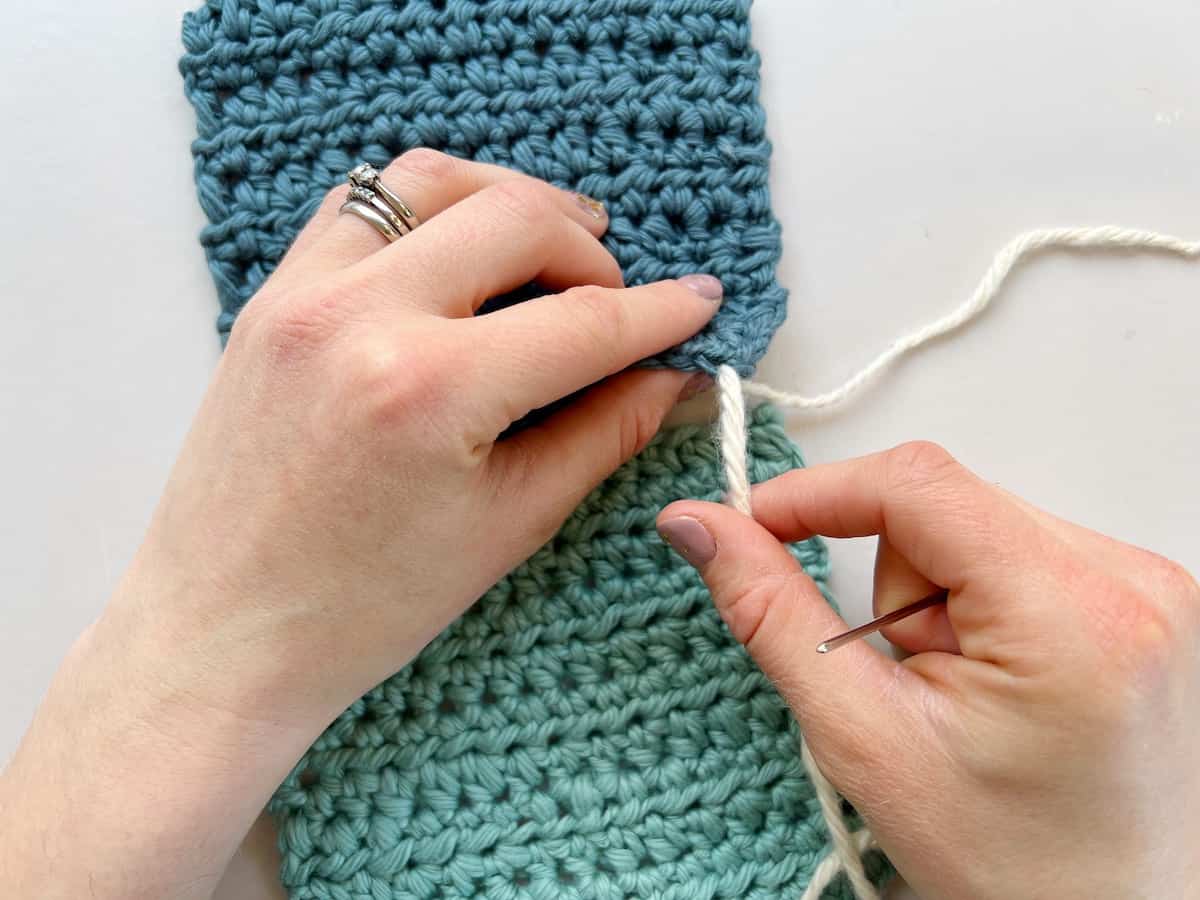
(1044, 738)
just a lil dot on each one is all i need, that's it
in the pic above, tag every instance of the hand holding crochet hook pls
(1042, 738)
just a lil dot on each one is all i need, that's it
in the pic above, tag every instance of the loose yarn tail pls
(732, 438)
(831, 866)
(846, 855)
(847, 848)
(1107, 237)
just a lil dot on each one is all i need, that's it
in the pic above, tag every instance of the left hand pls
(342, 497)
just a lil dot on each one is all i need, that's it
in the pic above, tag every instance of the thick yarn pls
(732, 390)
(739, 475)
(648, 105)
(588, 731)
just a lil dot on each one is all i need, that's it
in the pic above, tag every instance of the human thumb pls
(777, 612)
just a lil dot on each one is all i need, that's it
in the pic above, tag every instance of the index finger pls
(940, 516)
(547, 348)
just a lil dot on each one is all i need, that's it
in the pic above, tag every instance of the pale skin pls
(343, 496)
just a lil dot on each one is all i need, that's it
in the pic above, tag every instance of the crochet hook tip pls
(875, 624)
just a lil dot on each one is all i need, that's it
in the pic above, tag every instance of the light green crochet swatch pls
(588, 731)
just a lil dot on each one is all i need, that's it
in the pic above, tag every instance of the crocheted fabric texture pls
(649, 105)
(588, 731)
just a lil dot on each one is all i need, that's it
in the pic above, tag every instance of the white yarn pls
(731, 426)
(831, 866)
(732, 417)
(846, 854)
(1107, 236)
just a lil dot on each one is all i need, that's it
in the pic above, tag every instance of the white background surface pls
(912, 139)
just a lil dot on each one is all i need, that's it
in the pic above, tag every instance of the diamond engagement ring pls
(373, 202)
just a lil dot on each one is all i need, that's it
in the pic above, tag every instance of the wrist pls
(295, 651)
(137, 766)
(205, 650)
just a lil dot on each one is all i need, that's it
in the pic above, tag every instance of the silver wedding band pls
(373, 202)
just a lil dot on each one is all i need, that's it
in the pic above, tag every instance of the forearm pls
(130, 785)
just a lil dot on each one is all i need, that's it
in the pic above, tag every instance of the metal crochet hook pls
(883, 621)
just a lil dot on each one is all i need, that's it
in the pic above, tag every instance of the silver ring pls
(372, 217)
(366, 177)
(358, 194)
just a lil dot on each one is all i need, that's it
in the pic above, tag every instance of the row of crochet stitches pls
(588, 731)
(648, 105)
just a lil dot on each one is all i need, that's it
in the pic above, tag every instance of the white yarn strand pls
(846, 854)
(831, 866)
(1102, 237)
(732, 438)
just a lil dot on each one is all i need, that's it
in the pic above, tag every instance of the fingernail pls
(689, 539)
(705, 285)
(698, 383)
(591, 206)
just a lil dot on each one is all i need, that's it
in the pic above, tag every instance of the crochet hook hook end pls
(882, 622)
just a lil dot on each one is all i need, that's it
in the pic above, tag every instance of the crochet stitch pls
(648, 105)
(588, 731)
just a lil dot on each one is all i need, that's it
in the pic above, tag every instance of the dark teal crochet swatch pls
(649, 105)
(589, 730)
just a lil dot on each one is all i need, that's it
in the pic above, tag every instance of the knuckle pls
(1135, 631)
(919, 464)
(427, 164)
(636, 429)
(600, 321)
(389, 384)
